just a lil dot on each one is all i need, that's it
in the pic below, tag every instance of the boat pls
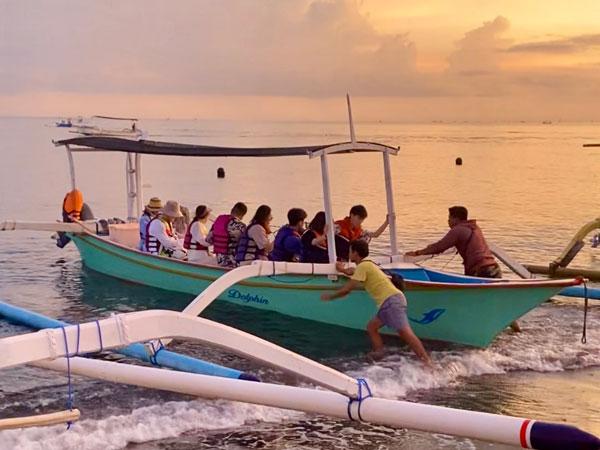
(437, 302)
(101, 126)
(340, 396)
(64, 123)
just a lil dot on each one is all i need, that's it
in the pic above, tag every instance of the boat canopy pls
(102, 143)
(115, 118)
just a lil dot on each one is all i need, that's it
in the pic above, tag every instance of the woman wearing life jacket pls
(225, 234)
(254, 244)
(314, 241)
(350, 229)
(160, 237)
(195, 238)
(151, 210)
(288, 244)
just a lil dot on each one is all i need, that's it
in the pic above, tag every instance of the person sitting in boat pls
(151, 210)
(350, 229)
(73, 209)
(180, 224)
(314, 241)
(195, 238)
(254, 243)
(390, 301)
(161, 239)
(225, 234)
(466, 236)
(287, 245)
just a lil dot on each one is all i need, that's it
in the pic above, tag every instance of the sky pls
(401, 61)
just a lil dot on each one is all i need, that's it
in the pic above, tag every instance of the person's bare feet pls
(515, 327)
(375, 355)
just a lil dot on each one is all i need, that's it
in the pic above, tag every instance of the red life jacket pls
(347, 231)
(220, 235)
(153, 245)
(188, 241)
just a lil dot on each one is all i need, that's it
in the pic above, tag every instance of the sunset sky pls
(475, 60)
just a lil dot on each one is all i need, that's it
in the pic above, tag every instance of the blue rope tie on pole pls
(362, 383)
(155, 352)
(70, 395)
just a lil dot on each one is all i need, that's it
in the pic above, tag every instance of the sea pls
(530, 187)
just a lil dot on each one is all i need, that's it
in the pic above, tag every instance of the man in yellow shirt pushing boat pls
(390, 300)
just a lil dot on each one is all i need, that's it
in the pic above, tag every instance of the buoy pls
(220, 172)
(459, 161)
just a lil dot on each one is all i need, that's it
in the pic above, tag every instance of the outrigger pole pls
(351, 400)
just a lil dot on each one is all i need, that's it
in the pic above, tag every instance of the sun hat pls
(154, 204)
(202, 211)
(172, 209)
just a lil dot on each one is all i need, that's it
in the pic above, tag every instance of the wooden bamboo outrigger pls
(40, 420)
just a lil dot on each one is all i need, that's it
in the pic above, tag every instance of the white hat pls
(172, 209)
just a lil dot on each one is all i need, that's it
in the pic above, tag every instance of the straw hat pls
(172, 209)
(154, 205)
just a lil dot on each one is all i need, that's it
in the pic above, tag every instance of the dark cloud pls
(559, 46)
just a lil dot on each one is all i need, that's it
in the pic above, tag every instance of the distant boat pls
(91, 128)
(547, 122)
(64, 123)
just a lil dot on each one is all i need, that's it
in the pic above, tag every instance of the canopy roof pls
(102, 143)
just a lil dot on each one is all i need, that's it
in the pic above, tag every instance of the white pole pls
(389, 195)
(328, 210)
(139, 196)
(71, 166)
(130, 181)
(352, 135)
(400, 414)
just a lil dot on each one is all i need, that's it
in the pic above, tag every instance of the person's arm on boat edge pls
(346, 288)
(448, 241)
(381, 229)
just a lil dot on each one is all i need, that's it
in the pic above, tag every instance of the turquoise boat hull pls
(470, 313)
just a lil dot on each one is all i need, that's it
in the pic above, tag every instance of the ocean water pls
(530, 186)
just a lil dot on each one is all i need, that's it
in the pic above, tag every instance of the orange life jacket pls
(347, 231)
(72, 205)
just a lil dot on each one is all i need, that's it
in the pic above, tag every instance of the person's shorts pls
(393, 313)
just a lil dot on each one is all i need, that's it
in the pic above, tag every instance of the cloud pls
(573, 44)
(297, 47)
(479, 52)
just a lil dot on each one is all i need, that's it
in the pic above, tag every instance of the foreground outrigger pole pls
(347, 398)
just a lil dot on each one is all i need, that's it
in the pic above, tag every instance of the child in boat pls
(288, 244)
(350, 229)
(314, 241)
(195, 238)
(390, 300)
(255, 244)
(225, 234)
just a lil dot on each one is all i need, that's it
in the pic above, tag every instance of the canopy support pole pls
(71, 166)
(328, 210)
(389, 195)
(138, 183)
(132, 187)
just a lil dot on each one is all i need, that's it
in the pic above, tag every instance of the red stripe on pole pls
(523, 433)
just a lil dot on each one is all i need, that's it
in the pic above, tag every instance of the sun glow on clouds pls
(291, 59)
